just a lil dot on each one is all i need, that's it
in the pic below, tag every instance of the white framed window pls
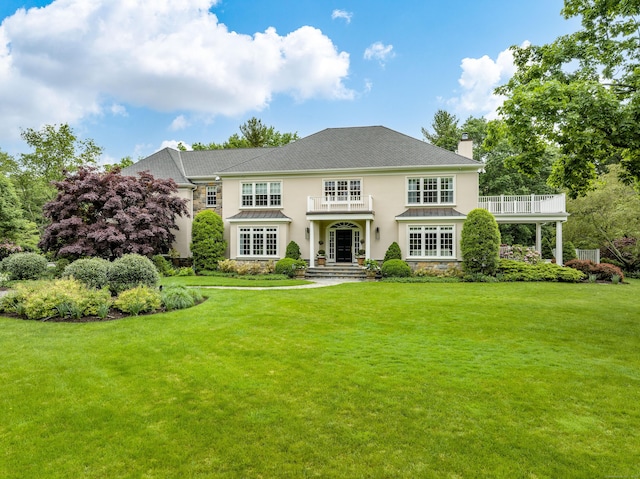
(264, 194)
(431, 241)
(212, 196)
(430, 190)
(257, 241)
(342, 190)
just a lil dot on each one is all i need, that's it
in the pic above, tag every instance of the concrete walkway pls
(317, 283)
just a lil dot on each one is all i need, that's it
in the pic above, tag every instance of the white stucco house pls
(351, 188)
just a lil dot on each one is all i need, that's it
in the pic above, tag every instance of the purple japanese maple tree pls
(108, 214)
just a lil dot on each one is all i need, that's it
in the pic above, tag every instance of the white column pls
(539, 237)
(559, 242)
(367, 237)
(312, 242)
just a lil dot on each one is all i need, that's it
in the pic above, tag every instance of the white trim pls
(439, 232)
(404, 219)
(253, 182)
(252, 228)
(438, 191)
(214, 188)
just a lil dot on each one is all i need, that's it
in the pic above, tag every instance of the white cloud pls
(179, 123)
(119, 110)
(59, 63)
(379, 51)
(480, 77)
(368, 85)
(342, 14)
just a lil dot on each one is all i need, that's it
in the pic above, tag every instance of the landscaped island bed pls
(357, 380)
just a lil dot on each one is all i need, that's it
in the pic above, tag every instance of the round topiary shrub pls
(24, 266)
(480, 243)
(395, 268)
(130, 271)
(92, 272)
(393, 252)
(289, 266)
(293, 250)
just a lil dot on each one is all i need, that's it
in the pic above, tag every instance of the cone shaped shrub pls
(480, 243)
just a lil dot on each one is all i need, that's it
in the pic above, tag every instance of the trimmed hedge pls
(207, 242)
(92, 272)
(293, 250)
(289, 266)
(21, 266)
(130, 271)
(395, 268)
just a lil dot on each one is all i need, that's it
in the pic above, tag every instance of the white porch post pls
(539, 238)
(559, 242)
(367, 237)
(312, 242)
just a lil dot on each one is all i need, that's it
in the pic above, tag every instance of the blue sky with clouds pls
(136, 75)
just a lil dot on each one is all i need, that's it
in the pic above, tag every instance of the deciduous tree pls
(108, 214)
(580, 93)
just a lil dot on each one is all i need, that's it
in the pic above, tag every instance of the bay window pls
(431, 241)
(257, 241)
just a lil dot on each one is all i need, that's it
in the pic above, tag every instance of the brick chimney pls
(465, 146)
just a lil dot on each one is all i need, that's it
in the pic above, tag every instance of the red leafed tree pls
(108, 215)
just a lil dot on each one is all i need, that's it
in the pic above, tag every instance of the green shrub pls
(138, 300)
(393, 252)
(176, 297)
(510, 270)
(58, 270)
(131, 270)
(92, 272)
(185, 271)
(395, 268)
(289, 266)
(293, 250)
(480, 243)
(207, 240)
(568, 252)
(59, 298)
(22, 266)
(163, 265)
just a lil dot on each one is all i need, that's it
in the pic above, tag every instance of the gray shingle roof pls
(429, 213)
(372, 147)
(260, 214)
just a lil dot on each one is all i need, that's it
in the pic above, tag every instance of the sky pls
(138, 75)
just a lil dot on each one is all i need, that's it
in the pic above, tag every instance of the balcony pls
(341, 204)
(524, 204)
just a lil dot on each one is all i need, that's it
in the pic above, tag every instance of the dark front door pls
(343, 246)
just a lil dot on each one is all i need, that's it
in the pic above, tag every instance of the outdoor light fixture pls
(306, 233)
(377, 232)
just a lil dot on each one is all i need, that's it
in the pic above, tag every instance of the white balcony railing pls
(523, 204)
(323, 204)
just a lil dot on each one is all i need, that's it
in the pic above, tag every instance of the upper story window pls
(430, 190)
(343, 190)
(266, 194)
(212, 196)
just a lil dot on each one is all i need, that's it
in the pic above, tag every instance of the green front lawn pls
(351, 381)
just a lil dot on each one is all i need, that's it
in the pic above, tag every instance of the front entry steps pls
(336, 270)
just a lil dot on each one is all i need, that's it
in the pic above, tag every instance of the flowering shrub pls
(8, 248)
(246, 267)
(518, 252)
